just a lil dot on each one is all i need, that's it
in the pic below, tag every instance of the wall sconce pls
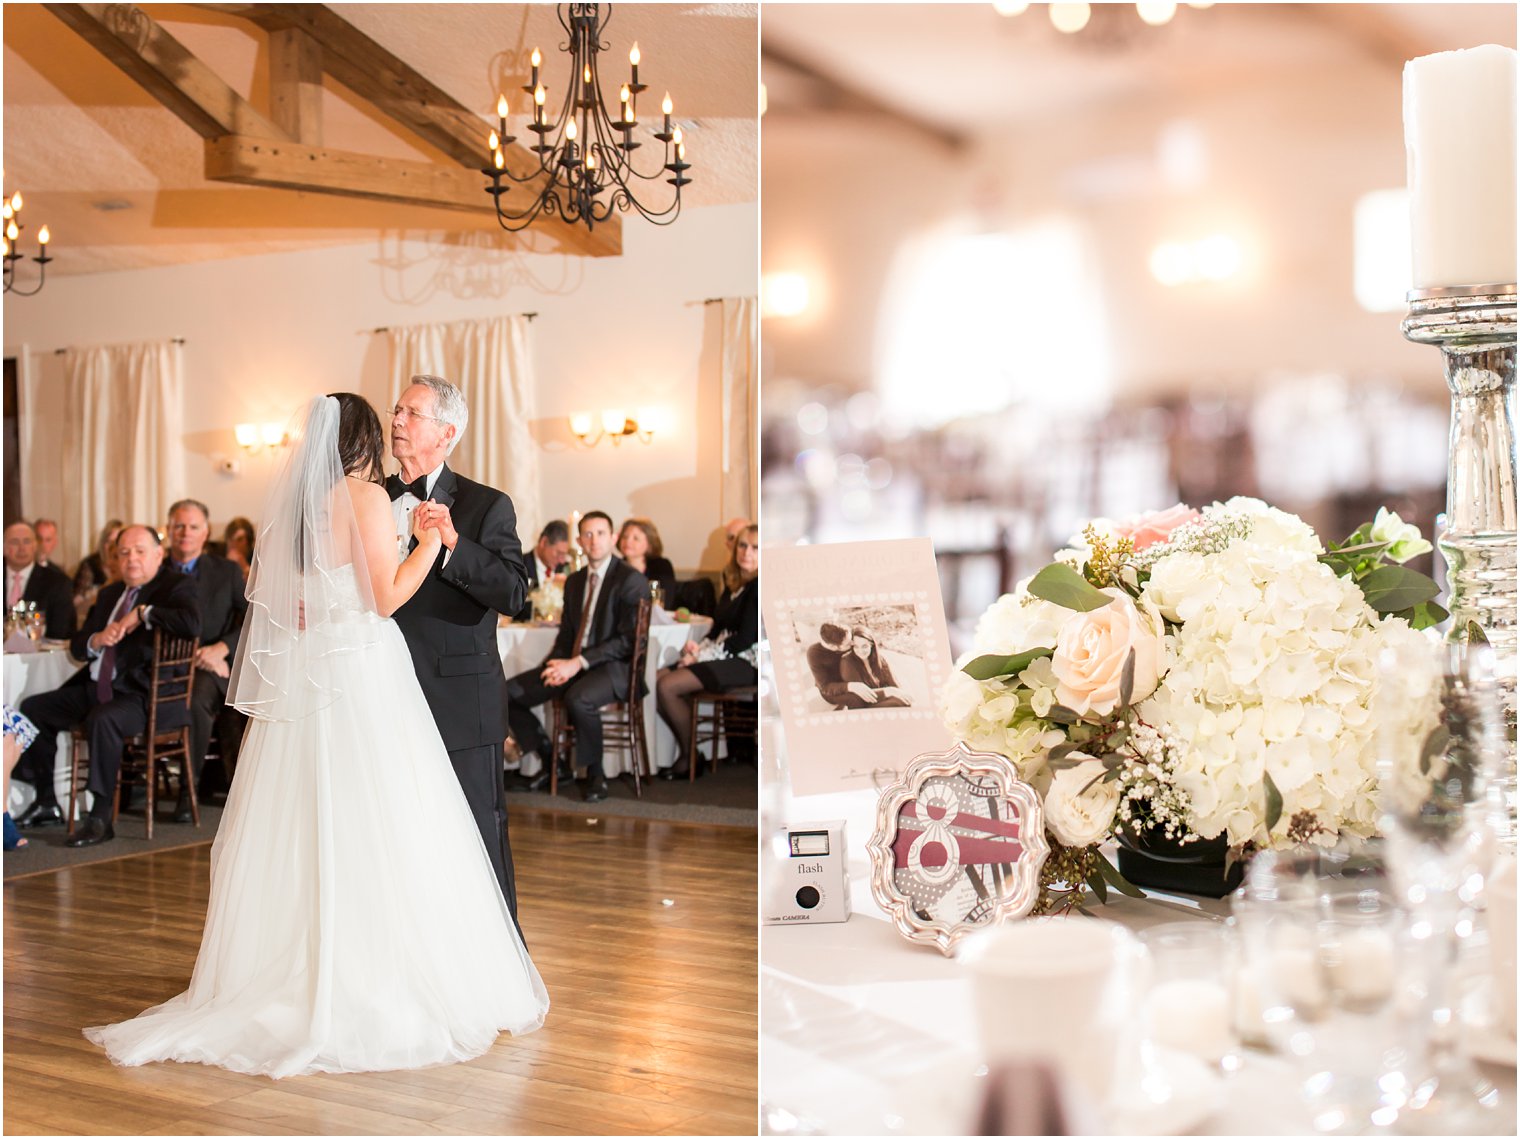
(616, 425)
(254, 437)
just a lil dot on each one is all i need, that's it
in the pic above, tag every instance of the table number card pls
(857, 635)
(958, 846)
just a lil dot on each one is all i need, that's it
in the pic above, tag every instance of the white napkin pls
(20, 643)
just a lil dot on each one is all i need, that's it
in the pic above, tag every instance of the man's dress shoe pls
(540, 782)
(182, 812)
(597, 791)
(91, 832)
(40, 815)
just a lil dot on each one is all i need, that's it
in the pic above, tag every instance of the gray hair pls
(191, 504)
(448, 405)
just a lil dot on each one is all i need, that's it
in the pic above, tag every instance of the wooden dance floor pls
(651, 1028)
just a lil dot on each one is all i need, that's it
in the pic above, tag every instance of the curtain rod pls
(173, 340)
(528, 315)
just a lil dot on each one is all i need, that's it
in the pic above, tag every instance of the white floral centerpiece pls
(548, 600)
(1194, 676)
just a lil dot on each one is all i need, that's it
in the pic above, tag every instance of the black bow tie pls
(418, 487)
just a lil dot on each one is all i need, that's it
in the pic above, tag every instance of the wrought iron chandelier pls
(10, 250)
(585, 156)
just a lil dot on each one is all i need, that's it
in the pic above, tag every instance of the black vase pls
(1152, 859)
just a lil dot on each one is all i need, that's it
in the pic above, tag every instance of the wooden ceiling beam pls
(295, 84)
(297, 166)
(161, 65)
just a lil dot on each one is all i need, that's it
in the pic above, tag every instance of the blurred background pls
(1027, 264)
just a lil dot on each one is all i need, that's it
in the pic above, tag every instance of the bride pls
(335, 941)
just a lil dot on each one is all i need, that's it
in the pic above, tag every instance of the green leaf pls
(1127, 680)
(1061, 751)
(1061, 585)
(1475, 633)
(1393, 588)
(1118, 881)
(1098, 886)
(1425, 615)
(1274, 801)
(991, 667)
(1062, 715)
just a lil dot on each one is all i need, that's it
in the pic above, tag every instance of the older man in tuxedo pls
(450, 622)
(28, 579)
(223, 604)
(588, 664)
(110, 695)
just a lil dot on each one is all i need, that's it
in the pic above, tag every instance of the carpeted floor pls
(727, 798)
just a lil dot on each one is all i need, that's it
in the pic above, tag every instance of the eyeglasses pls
(406, 413)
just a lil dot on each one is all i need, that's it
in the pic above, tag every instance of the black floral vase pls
(1198, 867)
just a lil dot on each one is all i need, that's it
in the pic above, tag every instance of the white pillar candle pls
(1362, 965)
(1459, 134)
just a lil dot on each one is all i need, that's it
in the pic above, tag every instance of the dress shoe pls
(596, 792)
(91, 832)
(540, 782)
(679, 770)
(182, 812)
(41, 815)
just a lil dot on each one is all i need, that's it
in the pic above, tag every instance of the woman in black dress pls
(718, 663)
(640, 546)
(864, 664)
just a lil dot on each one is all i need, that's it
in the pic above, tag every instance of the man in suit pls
(550, 553)
(450, 622)
(27, 579)
(223, 603)
(588, 665)
(110, 695)
(47, 540)
(825, 660)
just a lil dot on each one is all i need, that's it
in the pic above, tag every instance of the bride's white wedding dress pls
(355, 923)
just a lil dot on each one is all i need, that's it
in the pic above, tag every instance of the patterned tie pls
(14, 595)
(103, 691)
(580, 630)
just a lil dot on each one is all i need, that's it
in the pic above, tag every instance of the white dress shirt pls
(600, 570)
(401, 511)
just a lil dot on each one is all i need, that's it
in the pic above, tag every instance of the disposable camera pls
(809, 881)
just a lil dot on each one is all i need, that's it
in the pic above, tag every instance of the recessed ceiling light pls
(110, 204)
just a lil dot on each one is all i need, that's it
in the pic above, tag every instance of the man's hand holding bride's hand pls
(435, 516)
(425, 527)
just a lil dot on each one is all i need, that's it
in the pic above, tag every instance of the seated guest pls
(47, 541)
(237, 539)
(109, 696)
(640, 546)
(223, 602)
(863, 664)
(547, 561)
(27, 579)
(95, 570)
(716, 664)
(732, 529)
(588, 665)
(19, 734)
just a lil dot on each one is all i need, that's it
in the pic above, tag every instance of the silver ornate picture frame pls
(958, 846)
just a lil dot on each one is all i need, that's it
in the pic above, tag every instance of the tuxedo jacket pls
(609, 635)
(176, 610)
(52, 591)
(450, 622)
(223, 600)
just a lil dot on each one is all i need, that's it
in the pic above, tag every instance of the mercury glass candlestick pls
(1474, 327)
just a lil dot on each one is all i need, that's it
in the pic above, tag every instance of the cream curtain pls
(741, 408)
(124, 448)
(490, 361)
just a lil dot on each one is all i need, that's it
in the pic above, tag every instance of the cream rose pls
(1092, 648)
(1077, 817)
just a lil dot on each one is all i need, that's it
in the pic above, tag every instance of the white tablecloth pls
(865, 1033)
(27, 674)
(526, 646)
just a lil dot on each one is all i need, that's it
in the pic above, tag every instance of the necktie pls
(13, 596)
(580, 630)
(108, 658)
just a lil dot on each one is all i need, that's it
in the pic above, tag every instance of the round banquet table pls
(526, 646)
(866, 1033)
(27, 674)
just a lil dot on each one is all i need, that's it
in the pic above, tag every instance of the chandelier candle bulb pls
(499, 159)
(1459, 134)
(43, 236)
(16, 202)
(493, 142)
(633, 62)
(535, 60)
